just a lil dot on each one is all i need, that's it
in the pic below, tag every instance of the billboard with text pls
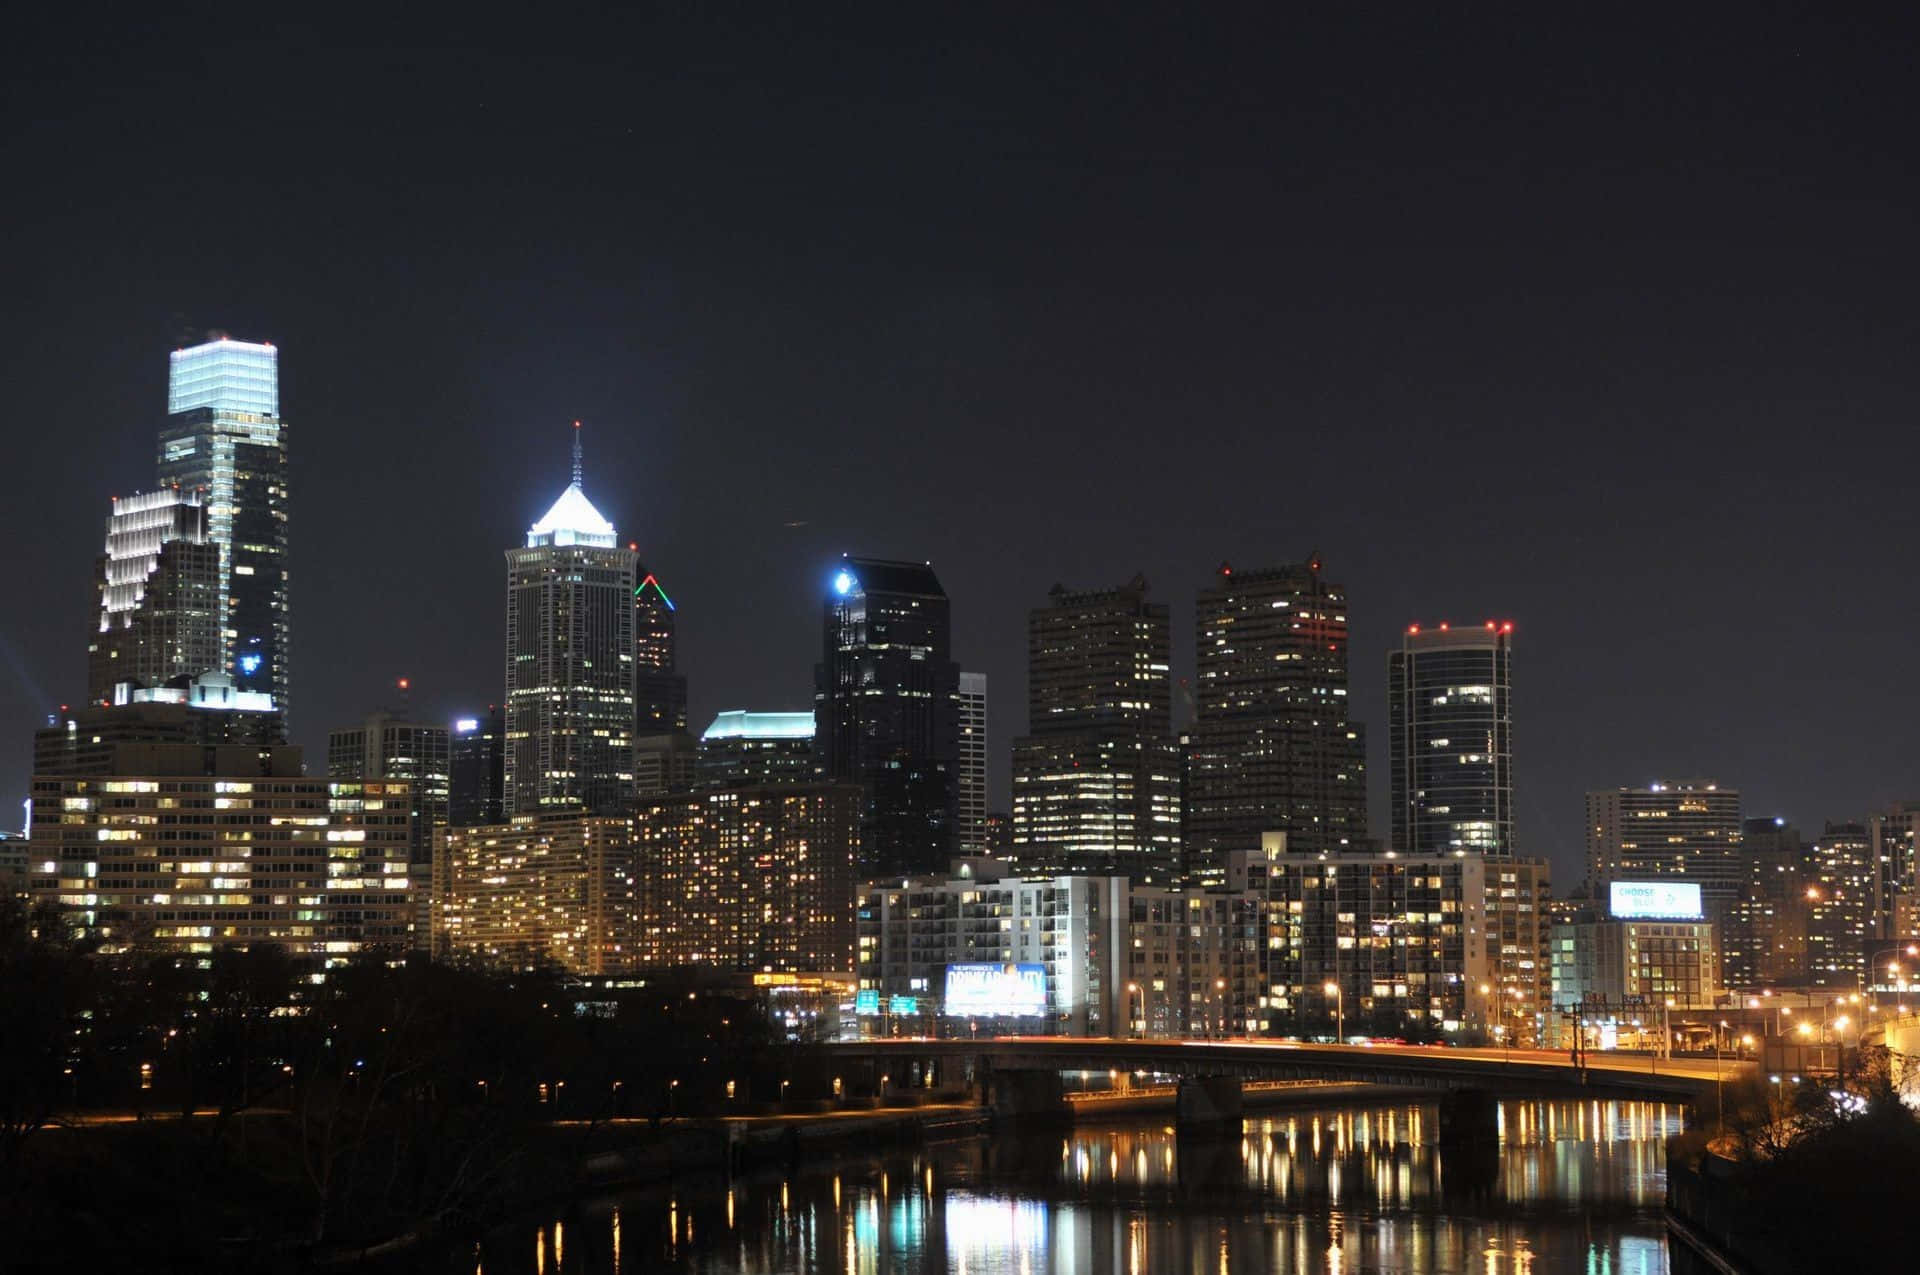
(1655, 900)
(996, 991)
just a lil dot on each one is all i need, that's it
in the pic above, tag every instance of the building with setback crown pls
(742, 749)
(1096, 778)
(570, 660)
(660, 689)
(224, 441)
(1450, 726)
(159, 583)
(886, 709)
(1273, 748)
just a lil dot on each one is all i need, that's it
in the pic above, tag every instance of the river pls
(1574, 1186)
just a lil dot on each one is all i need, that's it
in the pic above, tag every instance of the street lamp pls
(1142, 1020)
(1339, 1010)
(1220, 994)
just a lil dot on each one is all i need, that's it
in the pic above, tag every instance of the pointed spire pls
(579, 469)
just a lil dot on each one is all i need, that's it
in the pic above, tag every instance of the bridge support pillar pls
(1027, 1096)
(1469, 1118)
(1208, 1102)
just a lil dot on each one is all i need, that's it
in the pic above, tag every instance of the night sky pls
(1606, 325)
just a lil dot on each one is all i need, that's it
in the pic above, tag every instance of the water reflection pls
(1571, 1187)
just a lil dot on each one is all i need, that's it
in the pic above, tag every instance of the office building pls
(1681, 831)
(970, 803)
(13, 867)
(1450, 726)
(206, 713)
(665, 763)
(1096, 778)
(1621, 965)
(476, 769)
(224, 441)
(556, 888)
(570, 660)
(1841, 875)
(886, 709)
(385, 747)
(176, 850)
(660, 689)
(755, 878)
(1764, 941)
(159, 585)
(1273, 747)
(746, 750)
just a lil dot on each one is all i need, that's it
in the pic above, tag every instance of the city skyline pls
(1649, 463)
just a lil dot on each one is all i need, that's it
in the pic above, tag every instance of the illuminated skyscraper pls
(224, 440)
(1096, 778)
(746, 750)
(1450, 719)
(886, 710)
(1690, 831)
(570, 658)
(1273, 748)
(386, 747)
(159, 581)
(660, 690)
(476, 769)
(970, 810)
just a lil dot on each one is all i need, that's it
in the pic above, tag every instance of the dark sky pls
(1603, 324)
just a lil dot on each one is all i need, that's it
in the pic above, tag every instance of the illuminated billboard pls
(1655, 900)
(997, 991)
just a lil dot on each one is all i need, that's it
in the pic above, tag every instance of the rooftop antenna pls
(578, 467)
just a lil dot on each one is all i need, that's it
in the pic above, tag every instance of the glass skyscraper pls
(159, 582)
(1450, 720)
(225, 441)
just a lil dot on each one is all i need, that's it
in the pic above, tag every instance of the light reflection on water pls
(1574, 1186)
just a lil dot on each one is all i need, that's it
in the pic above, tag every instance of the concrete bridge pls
(1020, 1076)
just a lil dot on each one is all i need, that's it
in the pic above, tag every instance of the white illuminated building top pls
(572, 520)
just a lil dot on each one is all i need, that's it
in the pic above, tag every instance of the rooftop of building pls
(740, 723)
(884, 575)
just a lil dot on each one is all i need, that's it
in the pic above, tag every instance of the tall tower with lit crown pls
(570, 659)
(224, 441)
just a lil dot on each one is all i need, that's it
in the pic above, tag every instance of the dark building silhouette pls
(476, 769)
(1273, 748)
(1450, 728)
(660, 690)
(886, 710)
(1096, 778)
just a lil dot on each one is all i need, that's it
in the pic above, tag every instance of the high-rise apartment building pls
(1896, 863)
(1273, 747)
(1450, 720)
(886, 709)
(1841, 876)
(558, 887)
(755, 879)
(476, 769)
(178, 848)
(387, 747)
(570, 660)
(660, 689)
(1687, 831)
(159, 583)
(224, 441)
(1096, 778)
(1764, 941)
(746, 750)
(970, 804)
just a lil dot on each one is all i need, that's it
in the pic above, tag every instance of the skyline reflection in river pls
(1574, 1186)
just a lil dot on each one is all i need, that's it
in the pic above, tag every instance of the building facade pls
(174, 851)
(758, 878)
(570, 660)
(1681, 831)
(742, 749)
(970, 800)
(1764, 941)
(476, 769)
(886, 709)
(660, 689)
(224, 441)
(1273, 746)
(206, 713)
(1450, 727)
(1896, 866)
(159, 584)
(1096, 778)
(1618, 968)
(386, 747)
(1842, 876)
(553, 889)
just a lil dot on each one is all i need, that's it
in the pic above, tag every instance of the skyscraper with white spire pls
(570, 659)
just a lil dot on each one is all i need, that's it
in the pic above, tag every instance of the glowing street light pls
(1339, 1009)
